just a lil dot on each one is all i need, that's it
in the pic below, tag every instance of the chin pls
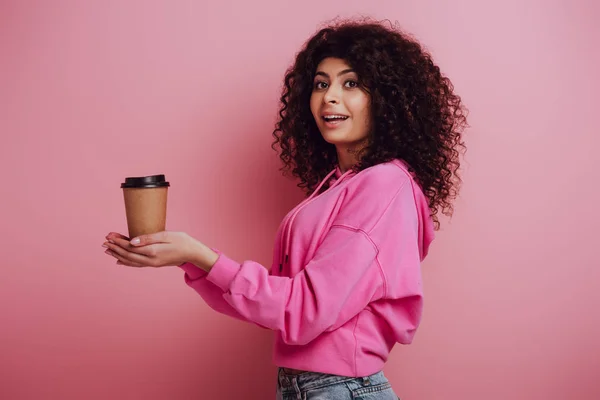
(336, 138)
(344, 141)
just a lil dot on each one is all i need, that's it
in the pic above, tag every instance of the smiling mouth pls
(334, 118)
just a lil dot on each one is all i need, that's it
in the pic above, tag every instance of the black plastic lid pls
(152, 181)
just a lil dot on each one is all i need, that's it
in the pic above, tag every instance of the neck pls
(346, 159)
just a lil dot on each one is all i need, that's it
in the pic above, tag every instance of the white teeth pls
(332, 117)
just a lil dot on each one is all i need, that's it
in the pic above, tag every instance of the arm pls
(212, 295)
(195, 277)
(340, 280)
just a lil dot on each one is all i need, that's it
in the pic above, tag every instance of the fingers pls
(144, 240)
(127, 257)
(123, 261)
(139, 252)
(124, 244)
(130, 264)
(115, 235)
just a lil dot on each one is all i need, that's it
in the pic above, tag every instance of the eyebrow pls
(346, 71)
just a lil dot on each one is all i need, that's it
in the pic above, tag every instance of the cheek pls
(361, 108)
(314, 105)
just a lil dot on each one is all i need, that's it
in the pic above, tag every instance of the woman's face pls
(342, 110)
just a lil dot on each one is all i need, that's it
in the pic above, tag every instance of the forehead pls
(332, 64)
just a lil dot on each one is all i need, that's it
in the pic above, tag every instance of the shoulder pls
(388, 177)
(372, 191)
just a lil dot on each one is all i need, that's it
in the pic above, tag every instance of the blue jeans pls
(317, 386)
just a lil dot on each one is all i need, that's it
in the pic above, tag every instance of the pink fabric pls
(345, 282)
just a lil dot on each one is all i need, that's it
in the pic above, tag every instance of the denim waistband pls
(314, 380)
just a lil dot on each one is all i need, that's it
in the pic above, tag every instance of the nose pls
(332, 95)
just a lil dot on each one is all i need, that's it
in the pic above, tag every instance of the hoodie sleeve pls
(339, 280)
(212, 294)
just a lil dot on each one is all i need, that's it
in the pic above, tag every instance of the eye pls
(351, 84)
(320, 85)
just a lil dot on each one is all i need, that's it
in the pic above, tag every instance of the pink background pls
(91, 92)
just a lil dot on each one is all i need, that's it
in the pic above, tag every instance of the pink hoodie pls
(345, 282)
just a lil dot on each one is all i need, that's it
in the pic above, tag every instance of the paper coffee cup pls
(145, 204)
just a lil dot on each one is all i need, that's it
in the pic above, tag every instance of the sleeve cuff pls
(223, 272)
(192, 272)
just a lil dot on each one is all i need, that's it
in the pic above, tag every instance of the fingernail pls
(111, 241)
(135, 241)
(104, 245)
(108, 252)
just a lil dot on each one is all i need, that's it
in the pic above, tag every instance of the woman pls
(372, 130)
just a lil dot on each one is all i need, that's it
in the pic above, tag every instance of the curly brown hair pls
(416, 115)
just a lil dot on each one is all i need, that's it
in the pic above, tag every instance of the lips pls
(333, 121)
(334, 117)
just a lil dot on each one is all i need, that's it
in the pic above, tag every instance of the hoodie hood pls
(426, 226)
